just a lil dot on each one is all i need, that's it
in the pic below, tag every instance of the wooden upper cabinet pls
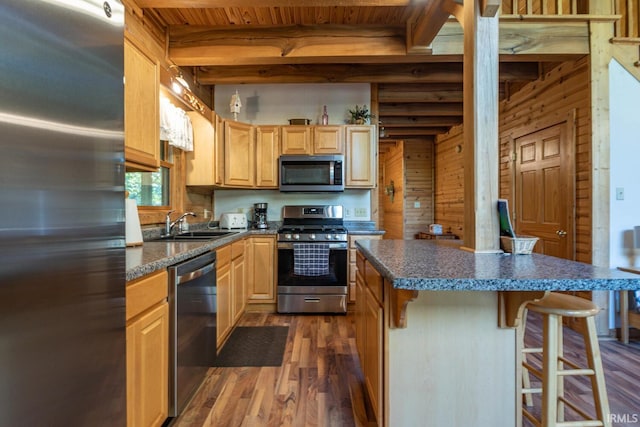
(218, 162)
(267, 153)
(201, 161)
(328, 139)
(239, 154)
(361, 154)
(141, 109)
(296, 140)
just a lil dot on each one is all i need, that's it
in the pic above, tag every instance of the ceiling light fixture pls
(178, 83)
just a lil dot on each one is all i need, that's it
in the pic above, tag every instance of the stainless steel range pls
(312, 260)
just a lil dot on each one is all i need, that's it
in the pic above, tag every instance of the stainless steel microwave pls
(312, 173)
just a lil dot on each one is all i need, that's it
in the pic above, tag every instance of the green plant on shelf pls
(360, 115)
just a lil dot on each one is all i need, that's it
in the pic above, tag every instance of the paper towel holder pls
(133, 232)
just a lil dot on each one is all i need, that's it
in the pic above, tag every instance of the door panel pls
(544, 189)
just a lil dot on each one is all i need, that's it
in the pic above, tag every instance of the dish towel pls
(311, 259)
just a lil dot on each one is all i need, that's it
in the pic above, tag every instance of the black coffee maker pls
(260, 215)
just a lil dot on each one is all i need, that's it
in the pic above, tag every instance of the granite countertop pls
(442, 265)
(362, 227)
(153, 256)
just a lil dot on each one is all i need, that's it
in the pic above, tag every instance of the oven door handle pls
(195, 274)
(334, 246)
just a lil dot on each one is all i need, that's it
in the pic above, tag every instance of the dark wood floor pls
(318, 382)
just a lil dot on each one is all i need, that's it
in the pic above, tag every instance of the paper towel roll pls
(133, 232)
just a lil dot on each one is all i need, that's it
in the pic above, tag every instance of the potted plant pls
(360, 115)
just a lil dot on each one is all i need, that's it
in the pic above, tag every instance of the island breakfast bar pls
(432, 357)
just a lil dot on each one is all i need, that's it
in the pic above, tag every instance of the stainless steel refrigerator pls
(62, 247)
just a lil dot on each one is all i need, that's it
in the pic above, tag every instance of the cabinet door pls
(201, 161)
(223, 316)
(352, 260)
(361, 157)
(267, 153)
(218, 161)
(296, 140)
(373, 353)
(141, 108)
(361, 304)
(261, 267)
(148, 368)
(239, 154)
(239, 283)
(328, 139)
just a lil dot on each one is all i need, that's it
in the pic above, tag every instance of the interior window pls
(152, 189)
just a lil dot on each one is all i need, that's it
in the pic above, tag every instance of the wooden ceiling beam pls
(187, 4)
(420, 109)
(202, 45)
(529, 37)
(525, 41)
(400, 132)
(355, 73)
(425, 27)
(332, 73)
(421, 122)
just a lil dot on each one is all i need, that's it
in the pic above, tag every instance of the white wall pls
(275, 104)
(243, 200)
(624, 92)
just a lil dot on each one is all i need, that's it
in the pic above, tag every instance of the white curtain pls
(175, 126)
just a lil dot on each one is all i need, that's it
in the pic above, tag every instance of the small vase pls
(325, 116)
(359, 121)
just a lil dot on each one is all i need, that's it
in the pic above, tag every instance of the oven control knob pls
(328, 236)
(296, 237)
(287, 236)
(336, 237)
(312, 236)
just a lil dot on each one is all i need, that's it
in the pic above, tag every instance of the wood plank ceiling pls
(386, 42)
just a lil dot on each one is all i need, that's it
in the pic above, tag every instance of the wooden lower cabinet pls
(238, 280)
(261, 269)
(147, 351)
(230, 282)
(352, 261)
(369, 316)
(223, 285)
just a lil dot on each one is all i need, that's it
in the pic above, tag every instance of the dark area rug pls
(253, 346)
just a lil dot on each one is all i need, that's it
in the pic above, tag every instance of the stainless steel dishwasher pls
(192, 305)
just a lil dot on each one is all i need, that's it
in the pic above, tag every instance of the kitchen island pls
(449, 358)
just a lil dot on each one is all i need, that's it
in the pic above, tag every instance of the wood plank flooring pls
(319, 381)
(311, 388)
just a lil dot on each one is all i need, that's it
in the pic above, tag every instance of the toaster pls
(233, 220)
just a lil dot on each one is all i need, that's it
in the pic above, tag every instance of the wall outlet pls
(619, 193)
(360, 212)
(348, 212)
(207, 212)
(416, 205)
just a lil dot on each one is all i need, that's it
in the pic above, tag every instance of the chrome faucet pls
(168, 224)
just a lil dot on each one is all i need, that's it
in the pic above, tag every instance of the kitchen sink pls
(195, 235)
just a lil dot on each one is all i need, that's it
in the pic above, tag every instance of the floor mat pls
(253, 346)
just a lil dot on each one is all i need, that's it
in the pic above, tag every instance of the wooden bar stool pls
(553, 308)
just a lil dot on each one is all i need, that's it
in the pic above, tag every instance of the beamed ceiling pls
(411, 50)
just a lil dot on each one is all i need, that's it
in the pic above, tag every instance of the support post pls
(481, 146)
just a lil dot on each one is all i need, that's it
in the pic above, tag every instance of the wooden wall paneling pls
(449, 182)
(418, 167)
